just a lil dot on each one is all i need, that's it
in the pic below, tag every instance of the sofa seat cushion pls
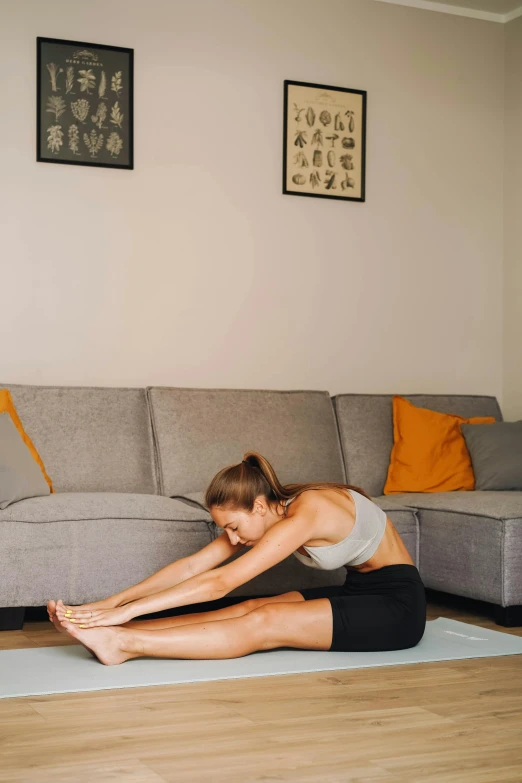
(492, 504)
(471, 543)
(77, 506)
(81, 557)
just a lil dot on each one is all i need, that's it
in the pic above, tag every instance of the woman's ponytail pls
(237, 486)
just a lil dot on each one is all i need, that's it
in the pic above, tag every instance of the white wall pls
(195, 270)
(512, 407)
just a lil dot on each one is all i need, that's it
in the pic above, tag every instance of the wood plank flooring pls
(446, 722)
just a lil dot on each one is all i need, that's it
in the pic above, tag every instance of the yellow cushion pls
(7, 406)
(429, 452)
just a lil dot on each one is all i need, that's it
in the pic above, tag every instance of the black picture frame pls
(305, 174)
(93, 105)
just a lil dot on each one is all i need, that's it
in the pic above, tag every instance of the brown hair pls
(239, 485)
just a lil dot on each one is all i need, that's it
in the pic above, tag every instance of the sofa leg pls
(508, 616)
(12, 618)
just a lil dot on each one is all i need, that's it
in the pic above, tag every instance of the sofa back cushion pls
(200, 431)
(90, 439)
(366, 429)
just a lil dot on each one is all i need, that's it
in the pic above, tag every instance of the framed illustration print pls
(84, 103)
(324, 141)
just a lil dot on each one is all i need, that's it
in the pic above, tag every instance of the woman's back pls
(353, 531)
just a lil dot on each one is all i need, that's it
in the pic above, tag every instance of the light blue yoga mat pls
(72, 668)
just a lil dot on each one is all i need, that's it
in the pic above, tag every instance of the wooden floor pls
(447, 722)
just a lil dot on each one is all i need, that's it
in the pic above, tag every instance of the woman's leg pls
(302, 624)
(158, 623)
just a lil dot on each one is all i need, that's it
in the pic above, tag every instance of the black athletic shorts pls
(383, 609)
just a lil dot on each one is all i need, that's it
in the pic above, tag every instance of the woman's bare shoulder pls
(309, 497)
(331, 515)
(321, 495)
(316, 501)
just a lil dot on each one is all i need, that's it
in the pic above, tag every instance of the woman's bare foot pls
(105, 643)
(59, 605)
(51, 611)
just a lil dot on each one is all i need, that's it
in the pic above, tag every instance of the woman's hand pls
(92, 618)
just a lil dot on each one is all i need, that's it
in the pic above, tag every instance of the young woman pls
(381, 606)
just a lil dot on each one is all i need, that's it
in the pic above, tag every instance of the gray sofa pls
(130, 466)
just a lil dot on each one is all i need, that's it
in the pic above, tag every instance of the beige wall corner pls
(512, 363)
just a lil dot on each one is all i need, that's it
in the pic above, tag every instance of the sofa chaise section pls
(470, 541)
(471, 545)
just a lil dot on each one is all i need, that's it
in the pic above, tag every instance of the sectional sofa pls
(130, 466)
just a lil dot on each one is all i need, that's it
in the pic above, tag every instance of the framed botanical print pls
(324, 141)
(84, 103)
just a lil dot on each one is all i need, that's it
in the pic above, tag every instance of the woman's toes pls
(57, 624)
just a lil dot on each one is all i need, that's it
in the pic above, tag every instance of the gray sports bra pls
(358, 546)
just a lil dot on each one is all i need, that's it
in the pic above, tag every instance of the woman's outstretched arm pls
(276, 544)
(172, 574)
(196, 589)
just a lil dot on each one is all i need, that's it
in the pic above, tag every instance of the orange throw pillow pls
(7, 406)
(429, 452)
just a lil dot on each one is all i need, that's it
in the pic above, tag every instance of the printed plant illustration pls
(346, 162)
(74, 139)
(330, 185)
(116, 115)
(84, 103)
(69, 79)
(54, 70)
(347, 182)
(333, 138)
(56, 105)
(300, 160)
(322, 128)
(87, 81)
(310, 116)
(114, 144)
(299, 112)
(317, 138)
(80, 109)
(117, 83)
(100, 116)
(93, 142)
(325, 117)
(54, 137)
(102, 87)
